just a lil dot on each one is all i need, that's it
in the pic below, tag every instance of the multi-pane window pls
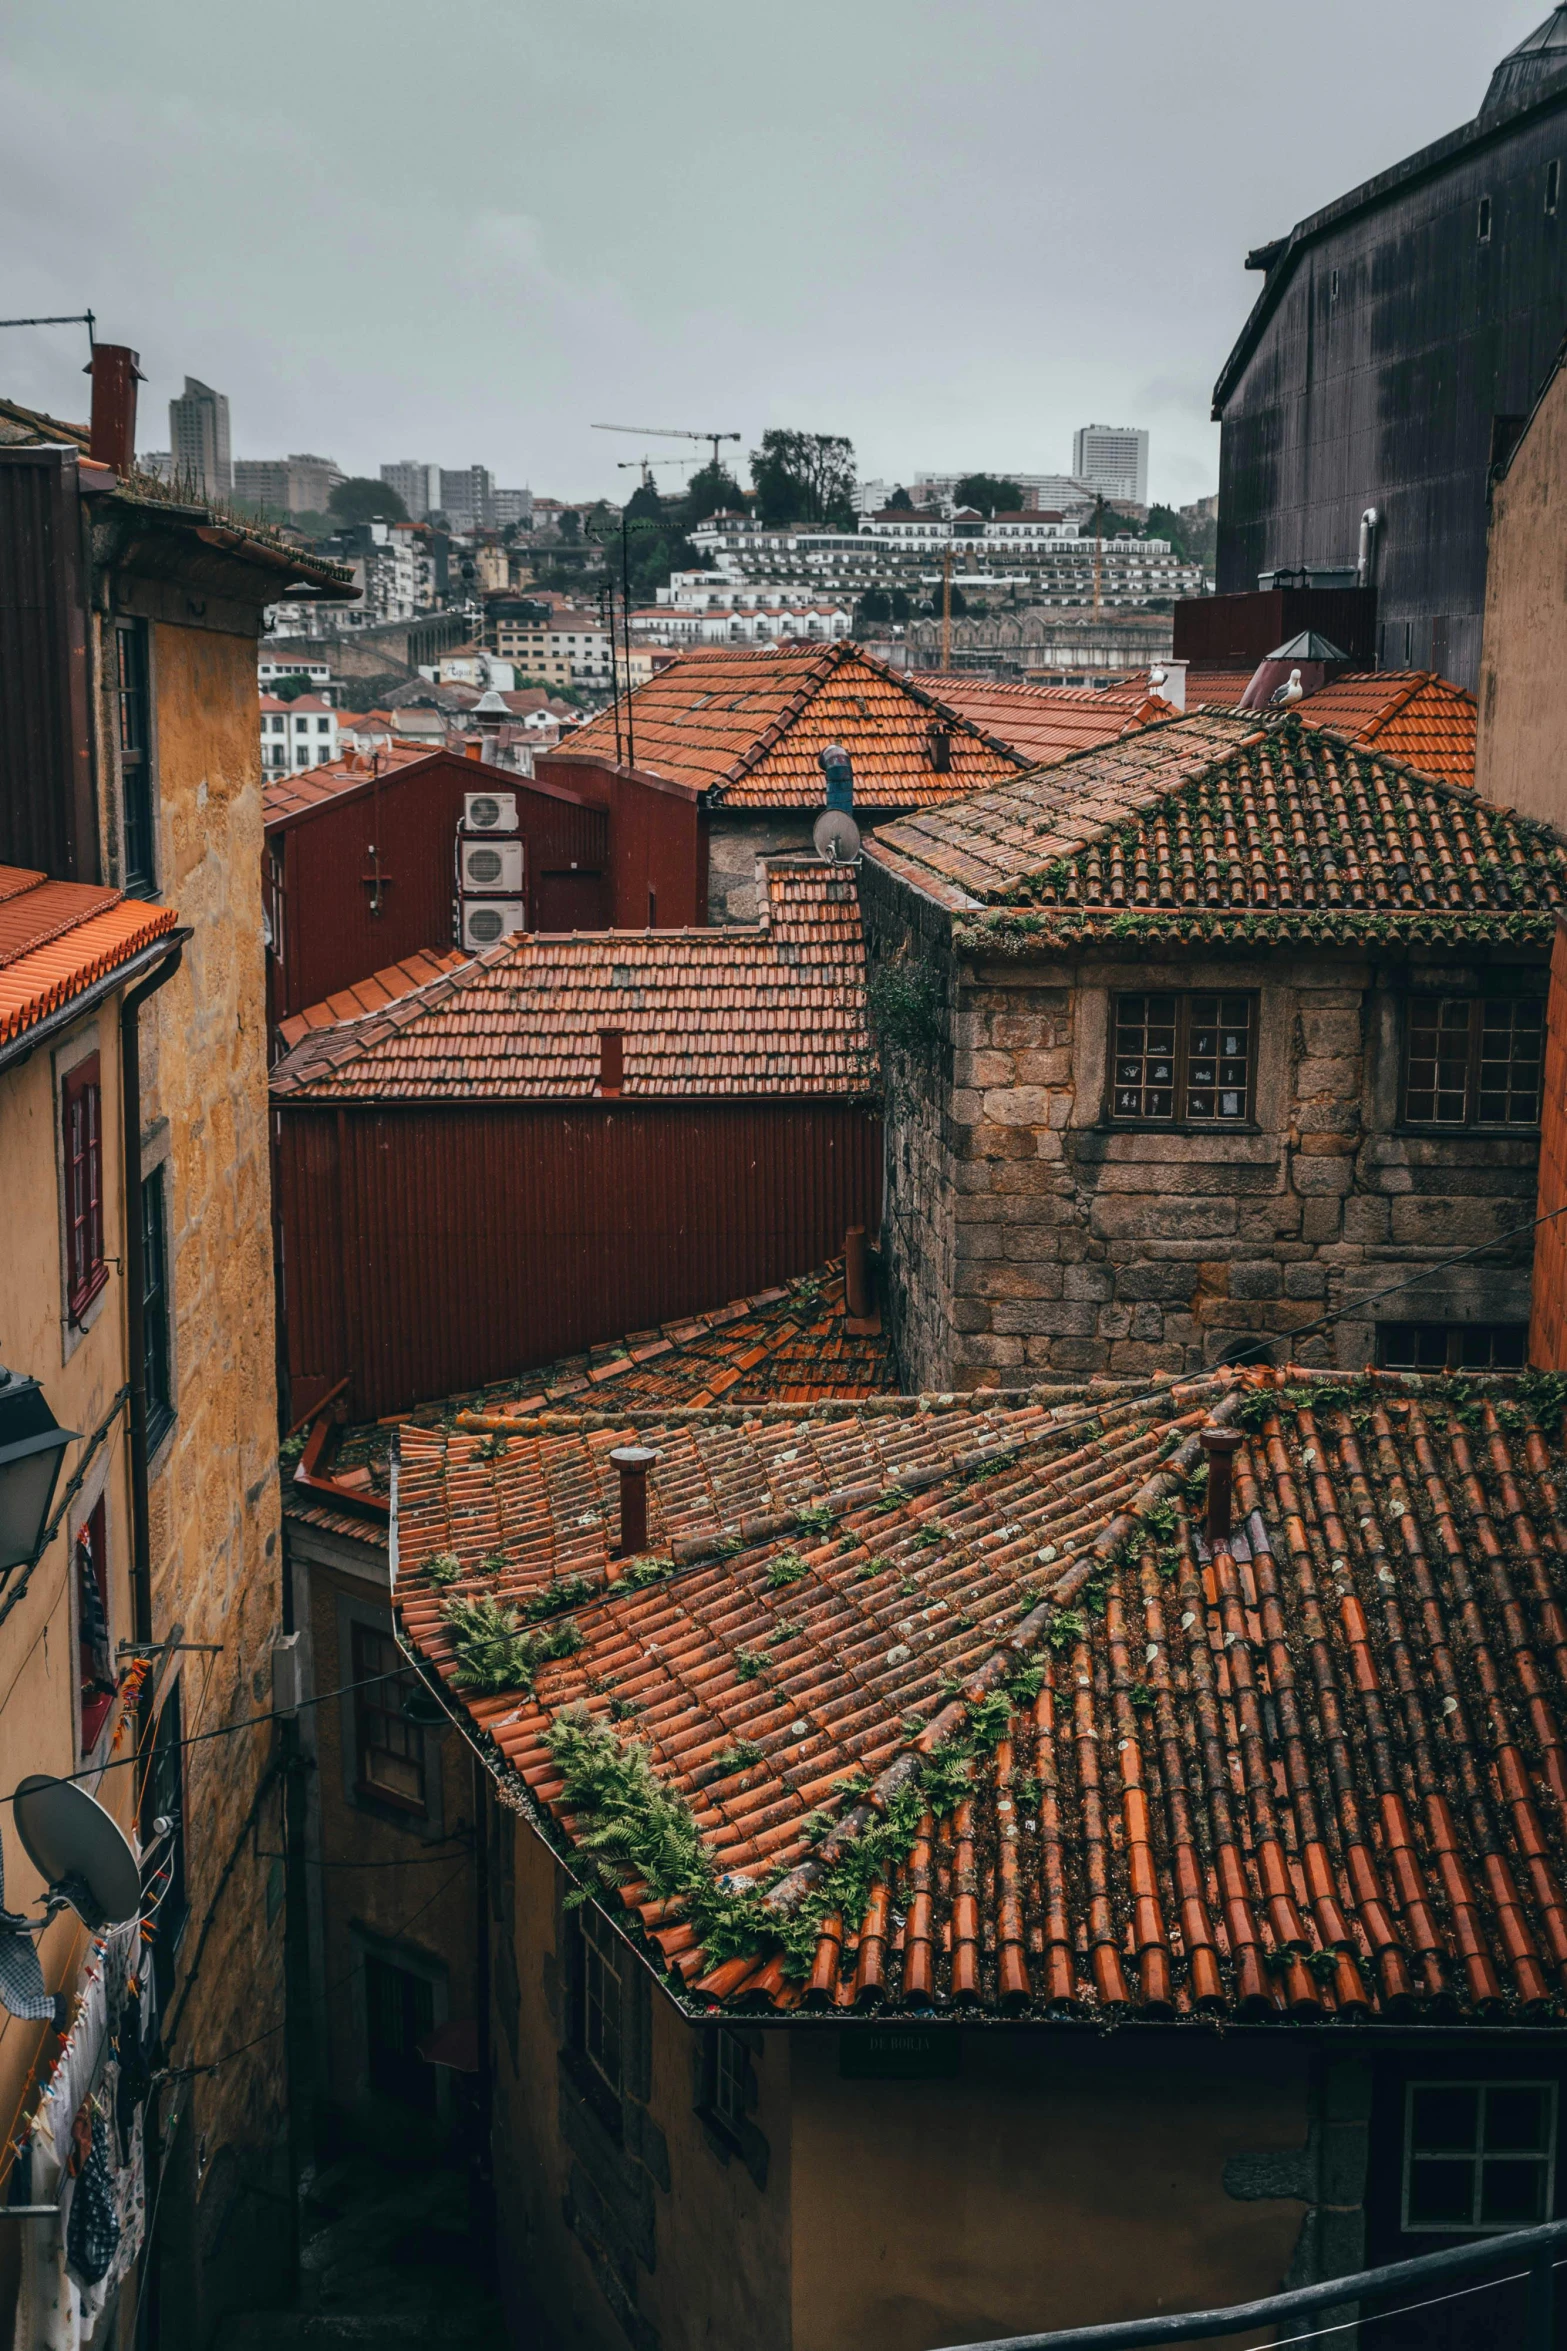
(82, 1144)
(600, 1997)
(95, 1655)
(399, 2012)
(1452, 1346)
(1473, 1060)
(155, 1308)
(731, 2079)
(1184, 1057)
(135, 722)
(390, 1750)
(1478, 2156)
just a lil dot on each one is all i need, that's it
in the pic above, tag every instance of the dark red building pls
(563, 1139)
(359, 870)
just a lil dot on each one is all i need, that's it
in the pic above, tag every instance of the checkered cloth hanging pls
(21, 1976)
(92, 2228)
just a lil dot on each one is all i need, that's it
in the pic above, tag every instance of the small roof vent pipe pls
(633, 1462)
(1221, 1447)
(1370, 524)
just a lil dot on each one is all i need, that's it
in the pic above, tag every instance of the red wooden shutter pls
(82, 1116)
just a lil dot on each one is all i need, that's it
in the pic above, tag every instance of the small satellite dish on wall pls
(83, 1857)
(837, 837)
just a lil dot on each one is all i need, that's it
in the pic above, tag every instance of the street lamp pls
(32, 1443)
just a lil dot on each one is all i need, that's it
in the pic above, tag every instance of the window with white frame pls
(1478, 2156)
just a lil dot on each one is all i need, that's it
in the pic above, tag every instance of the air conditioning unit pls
(491, 867)
(485, 920)
(489, 812)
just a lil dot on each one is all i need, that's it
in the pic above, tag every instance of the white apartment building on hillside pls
(1113, 460)
(296, 735)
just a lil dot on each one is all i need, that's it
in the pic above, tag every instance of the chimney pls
(612, 1060)
(473, 750)
(856, 1289)
(939, 741)
(633, 1463)
(1221, 1447)
(115, 376)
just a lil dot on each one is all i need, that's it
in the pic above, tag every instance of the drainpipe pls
(1370, 524)
(135, 1281)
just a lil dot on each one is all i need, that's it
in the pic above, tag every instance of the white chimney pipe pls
(1370, 523)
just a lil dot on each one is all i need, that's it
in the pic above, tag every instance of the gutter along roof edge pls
(24, 1042)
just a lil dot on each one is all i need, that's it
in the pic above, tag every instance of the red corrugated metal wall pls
(427, 1251)
(331, 936)
(1548, 1309)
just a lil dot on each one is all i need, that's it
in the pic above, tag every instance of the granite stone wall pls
(1026, 1235)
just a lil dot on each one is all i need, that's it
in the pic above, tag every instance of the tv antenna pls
(71, 318)
(664, 432)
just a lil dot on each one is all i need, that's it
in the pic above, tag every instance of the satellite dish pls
(837, 837)
(83, 1857)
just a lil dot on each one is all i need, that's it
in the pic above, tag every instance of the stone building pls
(128, 629)
(1518, 761)
(1198, 1037)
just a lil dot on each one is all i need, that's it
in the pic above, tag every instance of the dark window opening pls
(1483, 221)
(1452, 1346)
(155, 1310)
(389, 1752)
(399, 2012)
(1183, 1058)
(1553, 186)
(141, 854)
(82, 1120)
(94, 1650)
(1473, 1060)
(1478, 2156)
(163, 1884)
(600, 2006)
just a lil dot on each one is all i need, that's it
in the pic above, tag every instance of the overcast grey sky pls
(953, 229)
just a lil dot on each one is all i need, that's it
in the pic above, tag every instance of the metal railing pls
(1530, 2254)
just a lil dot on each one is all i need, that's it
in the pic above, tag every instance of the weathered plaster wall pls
(1078, 1247)
(1056, 2181)
(213, 1497)
(81, 1373)
(736, 838)
(1518, 755)
(651, 2236)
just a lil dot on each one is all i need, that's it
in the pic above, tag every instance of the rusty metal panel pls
(47, 817)
(465, 1245)
(359, 882)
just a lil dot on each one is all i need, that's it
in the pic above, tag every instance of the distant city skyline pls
(953, 287)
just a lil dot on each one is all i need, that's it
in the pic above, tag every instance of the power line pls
(229, 1730)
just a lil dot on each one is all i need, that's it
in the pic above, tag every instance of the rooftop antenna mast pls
(71, 318)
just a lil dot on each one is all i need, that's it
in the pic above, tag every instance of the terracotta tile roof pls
(747, 727)
(791, 1345)
(1239, 826)
(774, 1010)
(284, 796)
(371, 995)
(1411, 715)
(1042, 723)
(1320, 1775)
(58, 938)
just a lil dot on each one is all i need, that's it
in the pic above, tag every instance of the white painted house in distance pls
(296, 735)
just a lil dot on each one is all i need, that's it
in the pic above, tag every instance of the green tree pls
(713, 490)
(988, 494)
(900, 502)
(290, 688)
(874, 605)
(959, 602)
(360, 500)
(804, 477)
(902, 605)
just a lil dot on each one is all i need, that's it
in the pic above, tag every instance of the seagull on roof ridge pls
(1291, 691)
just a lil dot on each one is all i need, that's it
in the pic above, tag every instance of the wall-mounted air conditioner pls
(493, 867)
(489, 812)
(484, 920)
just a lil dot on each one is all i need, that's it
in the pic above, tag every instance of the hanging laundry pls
(92, 2229)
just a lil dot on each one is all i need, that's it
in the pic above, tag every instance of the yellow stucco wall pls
(1518, 755)
(1058, 2180)
(81, 1373)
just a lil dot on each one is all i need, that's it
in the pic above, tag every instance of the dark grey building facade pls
(1399, 341)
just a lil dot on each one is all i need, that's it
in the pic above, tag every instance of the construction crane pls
(662, 432)
(650, 466)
